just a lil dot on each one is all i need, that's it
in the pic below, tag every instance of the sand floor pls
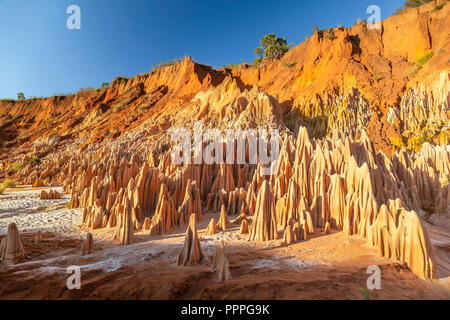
(331, 266)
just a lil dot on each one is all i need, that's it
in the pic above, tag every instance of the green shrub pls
(411, 4)
(439, 6)
(331, 34)
(117, 107)
(416, 141)
(120, 79)
(415, 3)
(168, 63)
(289, 65)
(256, 63)
(8, 100)
(105, 85)
(7, 184)
(35, 160)
(232, 66)
(144, 107)
(377, 78)
(87, 89)
(20, 96)
(366, 294)
(15, 166)
(425, 58)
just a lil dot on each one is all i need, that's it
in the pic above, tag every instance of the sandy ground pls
(23, 207)
(330, 266)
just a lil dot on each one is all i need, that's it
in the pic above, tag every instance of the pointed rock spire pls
(11, 249)
(264, 226)
(126, 228)
(220, 263)
(212, 228)
(38, 238)
(244, 227)
(191, 254)
(88, 245)
(288, 236)
(223, 221)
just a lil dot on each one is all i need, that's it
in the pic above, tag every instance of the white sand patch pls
(267, 264)
(109, 265)
(31, 214)
(285, 262)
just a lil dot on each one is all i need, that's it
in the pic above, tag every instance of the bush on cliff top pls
(411, 4)
(169, 63)
(8, 100)
(272, 47)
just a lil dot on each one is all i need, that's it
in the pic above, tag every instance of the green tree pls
(272, 47)
(20, 96)
(105, 85)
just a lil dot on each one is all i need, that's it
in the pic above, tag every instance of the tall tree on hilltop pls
(272, 47)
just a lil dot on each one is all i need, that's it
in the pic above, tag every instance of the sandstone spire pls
(327, 228)
(11, 249)
(223, 221)
(88, 245)
(191, 254)
(288, 236)
(165, 217)
(38, 238)
(220, 264)
(212, 228)
(126, 227)
(244, 227)
(264, 226)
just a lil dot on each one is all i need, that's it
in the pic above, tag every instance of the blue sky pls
(39, 56)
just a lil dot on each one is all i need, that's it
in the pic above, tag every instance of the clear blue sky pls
(39, 56)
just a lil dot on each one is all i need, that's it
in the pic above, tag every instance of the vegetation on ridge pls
(169, 63)
(412, 4)
(272, 47)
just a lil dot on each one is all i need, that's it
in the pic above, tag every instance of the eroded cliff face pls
(347, 79)
(345, 105)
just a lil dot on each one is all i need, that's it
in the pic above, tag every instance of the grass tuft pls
(7, 184)
(425, 58)
(15, 166)
(35, 160)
